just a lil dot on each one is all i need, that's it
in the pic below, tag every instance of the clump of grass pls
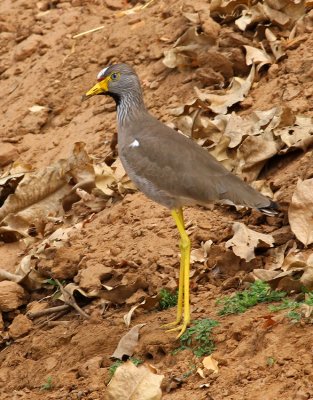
(117, 363)
(258, 292)
(292, 306)
(198, 338)
(167, 299)
(285, 304)
(48, 385)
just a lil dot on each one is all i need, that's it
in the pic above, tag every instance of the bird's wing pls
(177, 165)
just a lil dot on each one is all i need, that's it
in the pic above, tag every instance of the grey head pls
(119, 81)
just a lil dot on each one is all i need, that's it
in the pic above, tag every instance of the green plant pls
(191, 371)
(167, 299)
(270, 361)
(286, 303)
(294, 316)
(48, 385)
(258, 292)
(293, 305)
(198, 338)
(117, 363)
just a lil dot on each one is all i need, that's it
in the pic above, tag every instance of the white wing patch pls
(101, 73)
(135, 143)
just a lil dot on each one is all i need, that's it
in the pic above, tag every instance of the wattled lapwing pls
(169, 168)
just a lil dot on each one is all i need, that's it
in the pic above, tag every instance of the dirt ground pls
(42, 64)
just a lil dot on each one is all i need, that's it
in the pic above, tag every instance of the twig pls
(47, 311)
(57, 323)
(90, 31)
(70, 300)
(52, 318)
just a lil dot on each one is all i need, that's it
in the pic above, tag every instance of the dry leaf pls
(120, 293)
(134, 383)
(211, 364)
(300, 211)
(200, 372)
(236, 92)
(126, 346)
(257, 56)
(245, 240)
(39, 194)
(201, 254)
(186, 49)
(299, 135)
(147, 304)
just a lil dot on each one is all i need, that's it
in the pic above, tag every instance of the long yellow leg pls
(180, 281)
(183, 288)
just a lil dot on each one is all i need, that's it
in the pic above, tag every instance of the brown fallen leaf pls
(257, 56)
(235, 93)
(120, 293)
(245, 241)
(201, 254)
(147, 304)
(39, 194)
(134, 383)
(300, 212)
(186, 48)
(126, 346)
(211, 364)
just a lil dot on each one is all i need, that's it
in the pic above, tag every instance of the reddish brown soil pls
(134, 235)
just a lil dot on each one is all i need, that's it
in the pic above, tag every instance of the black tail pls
(271, 210)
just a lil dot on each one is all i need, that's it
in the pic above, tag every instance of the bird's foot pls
(182, 328)
(171, 324)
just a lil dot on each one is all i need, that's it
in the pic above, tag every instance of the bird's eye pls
(114, 76)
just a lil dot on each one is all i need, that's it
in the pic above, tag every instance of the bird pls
(170, 168)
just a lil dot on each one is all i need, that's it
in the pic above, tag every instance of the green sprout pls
(167, 299)
(258, 292)
(48, 385)
(198, 338)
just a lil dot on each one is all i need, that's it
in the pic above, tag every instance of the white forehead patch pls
(135, 143)
(101, 73)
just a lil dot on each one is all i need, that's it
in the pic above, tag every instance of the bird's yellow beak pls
(98, 88)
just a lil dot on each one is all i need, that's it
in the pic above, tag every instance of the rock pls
(43, 5)
(291, 373)
(76, 72)
(114, 4)
(27, 47)
(20, 326)
(8, 154)
(35, 120)
(91, 277)
(12, 296)
(90, 367)
(63, 265)
(301, 395)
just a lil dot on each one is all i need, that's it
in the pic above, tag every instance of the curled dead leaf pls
(39, 194)
(126, 346)
(134, 383)
(235, 93)
(211, 364)
(245, 241)
(300, 212)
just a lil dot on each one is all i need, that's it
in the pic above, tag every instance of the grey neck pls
(129, 107)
